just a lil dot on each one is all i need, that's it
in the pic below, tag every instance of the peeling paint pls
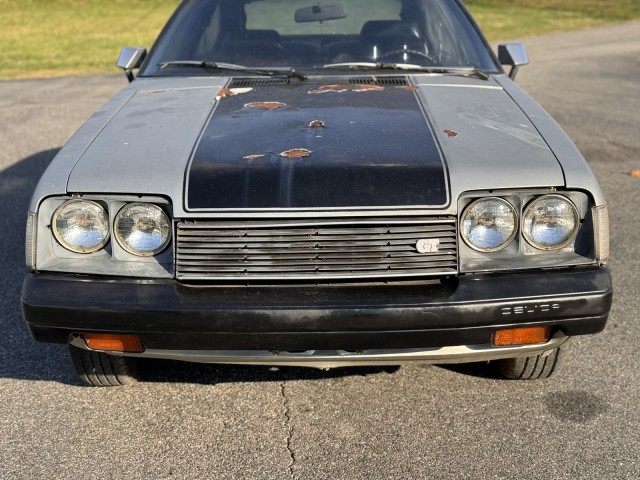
(450, 133)
(265, 105)
(254, 157)
(528, 136)
(316, 124)
(230, 92)
(347, 88)
(410, 88)
(296, 153)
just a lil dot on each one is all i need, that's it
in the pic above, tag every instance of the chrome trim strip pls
(342, 358)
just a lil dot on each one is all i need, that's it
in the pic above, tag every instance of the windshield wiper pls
(472, 71)
(289, 72)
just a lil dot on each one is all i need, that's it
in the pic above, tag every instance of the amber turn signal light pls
(113, 343)
(521, 336)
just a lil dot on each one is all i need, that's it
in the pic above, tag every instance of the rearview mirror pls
(130, 58)
(513, 54)
(319, 13)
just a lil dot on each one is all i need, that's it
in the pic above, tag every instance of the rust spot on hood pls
(265, 105)
(347, 88)
(316, 124)
(254, 157)
(153, 92)
(230, 92)
(296, 153)
(450, 133)
(410, 88)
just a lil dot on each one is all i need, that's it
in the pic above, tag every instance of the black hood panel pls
(350, 148)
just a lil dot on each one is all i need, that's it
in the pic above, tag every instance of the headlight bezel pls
(519, 255)
(537, 200)
(51, 256)
(60, 238)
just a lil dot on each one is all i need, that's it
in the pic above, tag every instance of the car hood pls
(322, 144)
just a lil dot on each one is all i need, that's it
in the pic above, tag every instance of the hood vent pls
(392, 81)
(257, 82)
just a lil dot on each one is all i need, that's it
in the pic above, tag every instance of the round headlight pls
(81, 226)
(142, 229)
(550, 222)
(489, 224)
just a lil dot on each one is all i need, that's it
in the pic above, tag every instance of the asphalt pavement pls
(206, 421)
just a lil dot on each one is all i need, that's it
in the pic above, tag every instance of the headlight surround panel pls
(520, 253)
(111, 259)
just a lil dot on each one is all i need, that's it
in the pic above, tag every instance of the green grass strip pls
(43, 38)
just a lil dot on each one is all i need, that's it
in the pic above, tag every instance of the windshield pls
(310, 34)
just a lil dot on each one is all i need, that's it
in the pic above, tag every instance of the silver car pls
(318, 184)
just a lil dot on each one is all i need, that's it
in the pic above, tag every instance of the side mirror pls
(130, 58)
(513, 54)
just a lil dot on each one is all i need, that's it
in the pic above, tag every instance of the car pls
(318, 184)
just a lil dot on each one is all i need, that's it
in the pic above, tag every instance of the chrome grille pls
(315, 249)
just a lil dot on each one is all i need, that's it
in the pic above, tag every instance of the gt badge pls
(427, 245)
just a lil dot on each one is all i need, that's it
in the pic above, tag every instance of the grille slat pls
(355, 223)
(428, 258)
(239, 256)
(315, 249)
(193, 232)
(309, 237)
(320, 244)
(304, 268)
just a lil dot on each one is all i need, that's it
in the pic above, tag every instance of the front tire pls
(102, 370)
(530, 368)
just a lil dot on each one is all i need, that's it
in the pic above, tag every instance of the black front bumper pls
(170, 316)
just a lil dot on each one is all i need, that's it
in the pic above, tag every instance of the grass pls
(505, 19)
(42, 38)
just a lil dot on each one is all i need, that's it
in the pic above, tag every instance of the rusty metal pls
(230, 92)
(296, 153)
(253, 157)
(153, 92)
(347, 88)
(265, 105)
(635, 173)
(316, 124)
(450, 133)
(410, 88)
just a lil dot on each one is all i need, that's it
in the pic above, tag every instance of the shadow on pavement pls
(486, 370)
(20, 356)
(183, 372)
